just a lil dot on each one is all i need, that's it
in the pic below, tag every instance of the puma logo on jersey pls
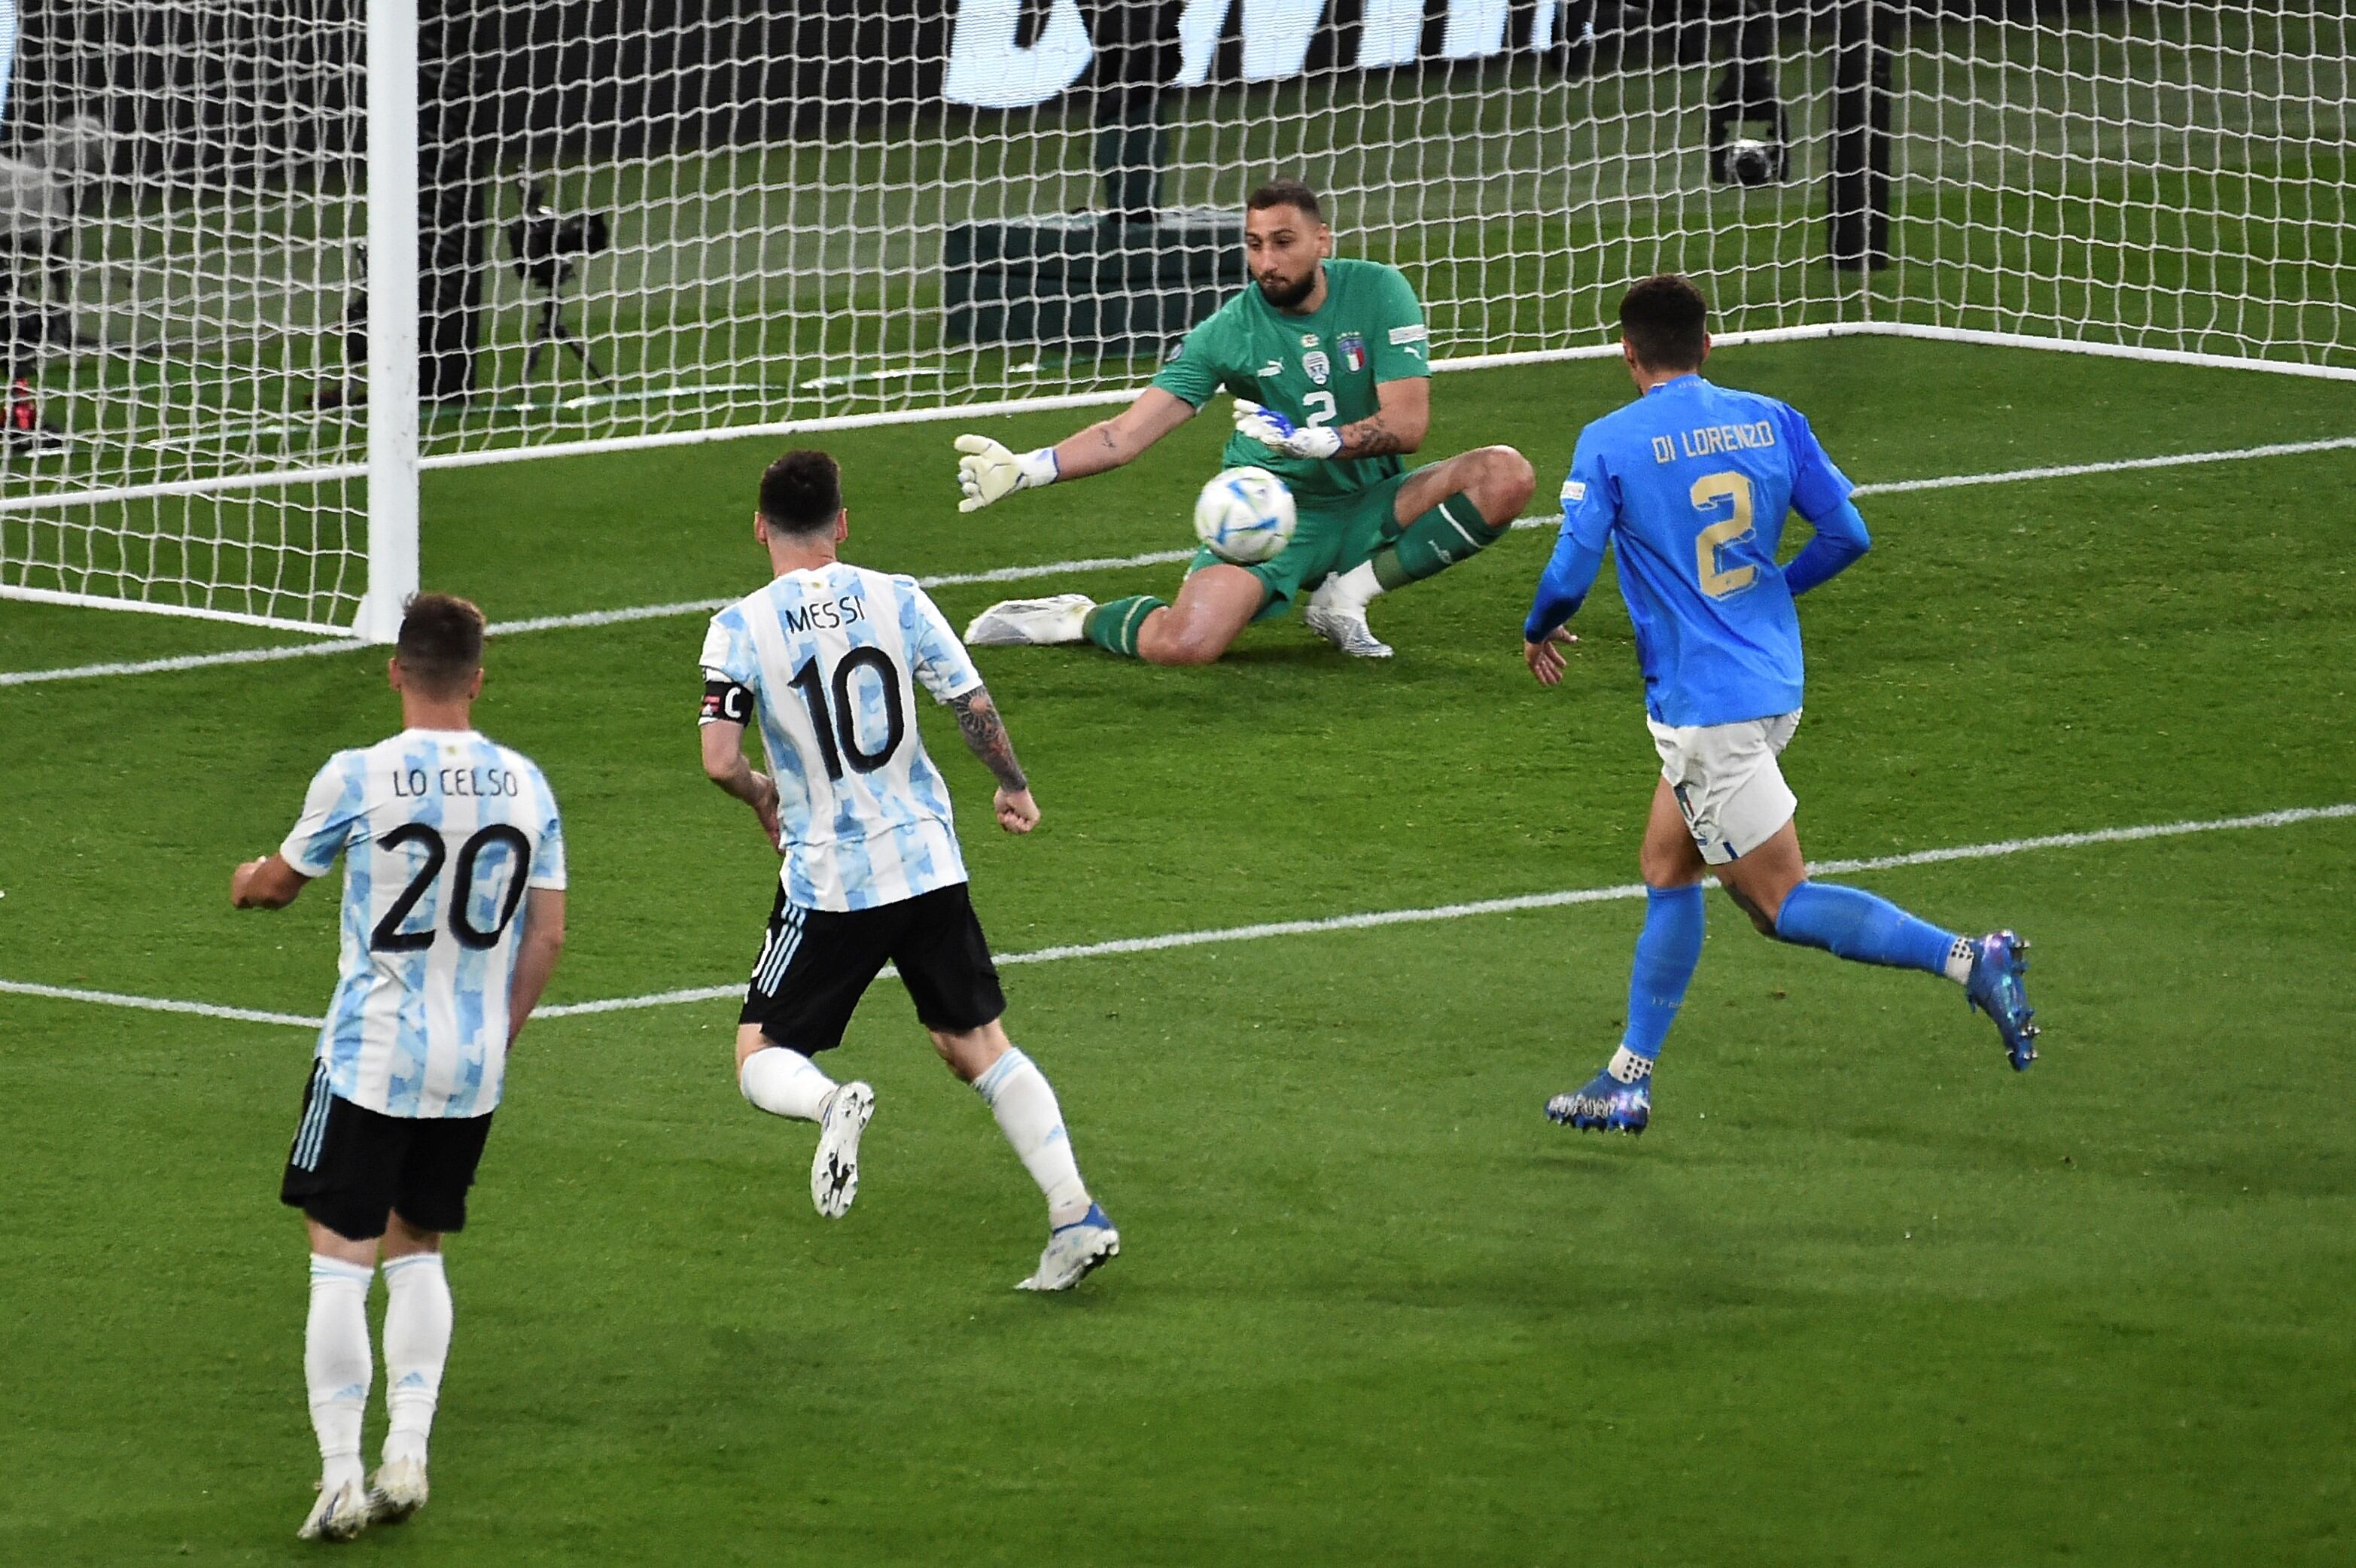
(1273, 367)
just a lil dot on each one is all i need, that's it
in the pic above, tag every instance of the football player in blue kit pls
(1690, 483)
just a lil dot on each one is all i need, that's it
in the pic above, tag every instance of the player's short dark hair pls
(1666, 321)
(801, 492)
(441, 643)
(1286, 193)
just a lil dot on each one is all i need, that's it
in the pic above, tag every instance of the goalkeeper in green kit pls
(1327, 362)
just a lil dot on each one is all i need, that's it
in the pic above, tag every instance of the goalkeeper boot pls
(1339, 616)
(338, 1515)
(834, 1169)
(1074, 1250)
(1605, 1105)
(1015, 623)
(1994, 989)
(396, 1491)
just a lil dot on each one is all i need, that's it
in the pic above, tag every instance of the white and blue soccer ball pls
(1245, 516)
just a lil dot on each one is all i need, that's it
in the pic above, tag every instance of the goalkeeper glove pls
(1277, 434)
(989, 472)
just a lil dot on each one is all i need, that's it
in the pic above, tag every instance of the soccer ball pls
(1245, 516)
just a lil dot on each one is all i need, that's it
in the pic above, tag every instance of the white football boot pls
(396, 1491)
(1339, 616)
(1074, 1250)
(338, 1515)
(1038, 623)
(834, 1169)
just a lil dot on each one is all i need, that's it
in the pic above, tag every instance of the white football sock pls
(785, 1083)
(416, 1343)
(1358, 586)
(338, 1365)
(1018, 1094)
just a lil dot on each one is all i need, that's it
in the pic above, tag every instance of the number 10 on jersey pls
(833, 710)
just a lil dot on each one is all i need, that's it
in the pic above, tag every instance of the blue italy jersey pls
(1693, 482)
(441, 831)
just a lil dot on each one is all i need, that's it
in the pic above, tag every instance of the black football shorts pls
(351, 1167)
(815, 964)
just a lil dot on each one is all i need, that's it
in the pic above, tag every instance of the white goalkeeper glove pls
(989, 472)
(1277, 434)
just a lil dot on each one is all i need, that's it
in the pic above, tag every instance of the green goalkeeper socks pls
(1433, 542)
(1113, 626)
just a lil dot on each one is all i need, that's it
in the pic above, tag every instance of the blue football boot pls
(1994, 989)
(1605, 1105)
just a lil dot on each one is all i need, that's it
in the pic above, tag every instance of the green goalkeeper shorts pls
(1332, 535)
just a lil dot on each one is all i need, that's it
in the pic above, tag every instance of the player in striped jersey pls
(453, 913)
(825, 659)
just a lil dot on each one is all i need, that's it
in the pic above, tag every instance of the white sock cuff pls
(327, 1270)
(999, 1073)
(784, 1082)
(1628, 1066)
(410, 1268)
(1361, 583)
(1959, 959)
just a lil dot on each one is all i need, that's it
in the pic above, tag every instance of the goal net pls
(691, 220)
(180, 188)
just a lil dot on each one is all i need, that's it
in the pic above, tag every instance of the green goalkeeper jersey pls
(1318, 368)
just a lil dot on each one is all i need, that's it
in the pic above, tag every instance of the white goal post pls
(262, 266)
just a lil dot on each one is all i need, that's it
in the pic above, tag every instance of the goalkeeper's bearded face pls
(1284, 246)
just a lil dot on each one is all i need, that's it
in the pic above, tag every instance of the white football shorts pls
(1727, 781)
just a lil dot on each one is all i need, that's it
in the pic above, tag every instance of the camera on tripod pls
(546, 245)
(546, 248)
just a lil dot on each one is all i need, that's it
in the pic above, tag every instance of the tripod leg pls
(580, 347)
(547, 325)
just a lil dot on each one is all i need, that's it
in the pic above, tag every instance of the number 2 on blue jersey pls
(1717, 581)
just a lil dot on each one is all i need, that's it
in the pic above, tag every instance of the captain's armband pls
(726, 698)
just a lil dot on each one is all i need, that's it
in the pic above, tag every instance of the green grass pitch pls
(1860, 1296)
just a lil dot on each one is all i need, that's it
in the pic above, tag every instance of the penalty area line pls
(1117, 562)
(1267, 929)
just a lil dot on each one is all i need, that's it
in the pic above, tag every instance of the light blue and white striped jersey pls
(440, 832)
(830, 656)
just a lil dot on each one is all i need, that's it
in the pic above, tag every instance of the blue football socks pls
(1666, 954)
(1851, 923)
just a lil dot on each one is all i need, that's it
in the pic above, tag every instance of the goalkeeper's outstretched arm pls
(988, 472)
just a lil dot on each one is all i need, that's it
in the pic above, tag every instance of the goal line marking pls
(1116, 563)
(1264, 931)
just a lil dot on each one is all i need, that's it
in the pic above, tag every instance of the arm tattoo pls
(985, 737)
(1370, 437)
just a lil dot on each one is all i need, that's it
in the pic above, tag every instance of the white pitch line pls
(584, 618)
(155, 1004)
(2115, 466)
(1265, 929)
(185, 661)
(1118, 562)
(941, 580)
